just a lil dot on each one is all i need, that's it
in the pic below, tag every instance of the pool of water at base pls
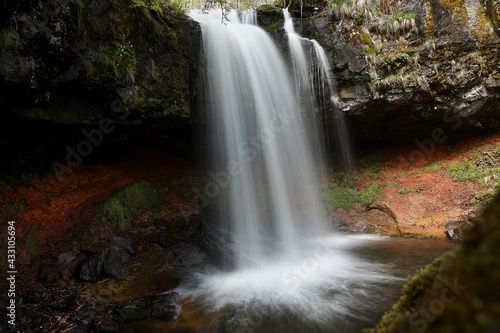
(339, 283)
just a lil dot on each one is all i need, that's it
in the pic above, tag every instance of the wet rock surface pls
(105, 293)
(396, 87)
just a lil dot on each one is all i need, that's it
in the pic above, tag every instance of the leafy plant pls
(404, 191)
(140, 196)
(128, 203)
(11, 210)
(337, 197)
(115, 211)
(6, 38)
(47, 32)
(372, 164)
(464, 171)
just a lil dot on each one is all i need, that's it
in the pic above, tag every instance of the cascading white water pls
(258, 132)
(289, 272)
(249, 17)
(323, 76)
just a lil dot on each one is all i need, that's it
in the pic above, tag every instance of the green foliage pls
(125, 57)
(403, 16)
(179, 6)
(158, 6)
(404, 191)
(372, 164)
(11, 210)
(367, 196)
(340, 2)
(348, 177)
(434, 167)
(464, 171)
(103, 60)
(129, 203)
(412, 291)
(337, 197)
(89, 66)
(148, 4)
(431, 40)
(44, 98)
(473, 202)
(115, 211)
(397, 61)
(142, 196)
(6, 37)
(47, 32)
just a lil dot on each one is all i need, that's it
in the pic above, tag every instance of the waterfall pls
(258, 140)
(322, 77)
(292, 274)
(249, 17)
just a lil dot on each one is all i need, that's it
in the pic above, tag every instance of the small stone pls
(129, 313)
(167, 308)
(66, 258)
(49, 272)
(131, 247)
(91, 270)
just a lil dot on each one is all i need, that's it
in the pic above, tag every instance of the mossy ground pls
(129, 203)
(421, 195)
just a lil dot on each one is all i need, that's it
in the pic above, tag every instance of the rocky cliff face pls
(77, 61)
(407, 70)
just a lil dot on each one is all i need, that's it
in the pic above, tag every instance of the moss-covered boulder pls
(270, 17)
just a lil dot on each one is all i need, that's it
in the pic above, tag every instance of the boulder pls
(113, 265)
(90, 270)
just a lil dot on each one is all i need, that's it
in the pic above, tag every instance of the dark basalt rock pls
(167, 307)
(113, 265)
(130, 247)
(129, 313)
(66, 65)
(449, 81)
(91, 270)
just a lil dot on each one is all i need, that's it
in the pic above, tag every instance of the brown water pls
(343, 288)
